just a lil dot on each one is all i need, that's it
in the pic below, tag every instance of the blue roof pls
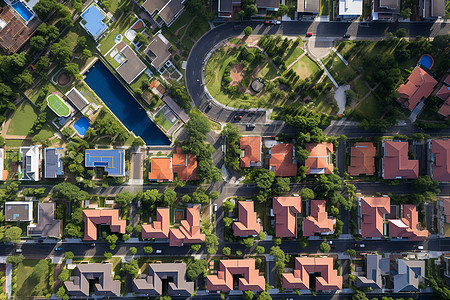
(94, 21)
(112, 160)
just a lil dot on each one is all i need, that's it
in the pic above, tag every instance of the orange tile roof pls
(247, 224)
(223, 281)
(396, 163)
(161, 169)
(160, 228)
(327, 281)
(444, 92)
(252, 151)
(441, 164)
(185, 165)
(94, 217)
(373, 210)
(420, 84)
(362, 159)
(282, 160)
(318, 221)
(191, 226)
(444, 110)
(286, 210)
(447, 209)
(319, 160)
(408, 226)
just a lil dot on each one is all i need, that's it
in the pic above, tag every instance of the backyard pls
(22, 120)
(32, 278)
(305, 67)
(107, 42)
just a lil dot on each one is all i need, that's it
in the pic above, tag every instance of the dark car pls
(237, 26)
(267, 22)
(238, 117)
(58, 249)
(332, 246)
(250, 126)
(346, 36)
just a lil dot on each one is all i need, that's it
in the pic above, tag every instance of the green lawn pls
(268, 72)
(325, 7)
(370, 107)
(162, 120)
(138, 82)
(340, 72)
(234, 40)
(27, 285)
(22, 120)
(305, 67)
(121, 26)
(292, 55)
(215, 69)
(112, 61)
(359, 87)
(76, 31)
(14, 143)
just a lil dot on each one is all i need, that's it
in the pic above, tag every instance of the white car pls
(420, 247)
(215, 207)
(18, 250)
(159, 251)
(276, 22)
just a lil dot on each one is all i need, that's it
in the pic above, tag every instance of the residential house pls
(94, 217)
(266, 6)
(173, 273)
(99, 277)
(373, 211)
(111, 160)
(176, 109)
(385, 10)
(53, 163)
(157, 51)
(248, 222)
(320, 159)
(226, 8)
(396, 164)
(77, 99)
(439, 160)
(159, 229)
(362, 159)
(47, 225)
(318, 221)
(285, 210)
(164, 11)
(350, 9)
(184, 165)
(432, 9)
(329, 280)
(3, 172)
(250, 151)
(248, 276)
(131, 66)
(409, 274)
(282, 160)
(92, 20)
(161, 169)
(18, 211)
(444, 94)
(375, 267)
(408, 226)
(308, 7)
(418, 87)
(443, 215)
(29, 162)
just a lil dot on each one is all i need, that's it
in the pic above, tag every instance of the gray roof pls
(410, 274)
(153, 286)
(375, 267)
(386, 6)
(77, 99)
(168, 10)
(158, 50)
(30, 162)
(106, 286)
(19, 211)
(53, 164)
(132, 67)
(176, 109)
(47, 226)
(267, 3)
(310, 6)
(432, 8)
(225, 6)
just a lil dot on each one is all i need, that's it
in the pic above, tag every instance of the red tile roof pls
(408, 226)
(373, 210)
(185, 165)
(161, 169)
(444, 110)
(441, 164)
(223, 281)
(282, 160)
(160, 228)
(247, 224)
(396, 163)
(304, 266)
(191, 226)
(318, 221)
(444, 92)
(252, 150)
(420, 85)
(319, 160)
(447, 209)
(286, 210)
(362, 159)
(94, 217)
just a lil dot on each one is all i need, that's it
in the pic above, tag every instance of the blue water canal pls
(123, 105)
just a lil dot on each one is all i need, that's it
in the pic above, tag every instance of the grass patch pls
(45, 133)
(22, 120)
(162, 120)
(360, 88)
(268, 72)
(28, 285)
(13, 143)
(370, 107)
(234, 40)
(136, 85)
(293, 55)
(305, 67)
(325, 7)
(340, 72)
(121, 26)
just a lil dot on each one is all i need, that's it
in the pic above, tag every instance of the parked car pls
(215, 207)
(158, 251)
(18, 250)
(92, 245)
(330, 242)
(238, 117)
(359, 245)
(276, 22)
(332, 246)
(420, 247)
(58, 249)
(267, 22)
(346, 36)
(250, 126)
(308, 34)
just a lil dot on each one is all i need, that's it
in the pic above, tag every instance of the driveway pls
(319, 48)
(340, 97)
(137, 167)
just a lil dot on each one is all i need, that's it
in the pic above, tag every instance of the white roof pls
(350, 7)
(399, 223)
(2, 158)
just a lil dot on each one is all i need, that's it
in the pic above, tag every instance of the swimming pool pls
(427, 61)
(81, 126)
(123, 105)
(24, 12)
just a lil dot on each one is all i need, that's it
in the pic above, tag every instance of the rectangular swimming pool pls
(123, 105)
(22, 11)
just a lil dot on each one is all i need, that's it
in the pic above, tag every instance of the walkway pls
(328, 73)
(340, 56)
(295, 61)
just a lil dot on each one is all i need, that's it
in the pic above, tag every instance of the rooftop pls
(3, 172)
(53, 163)
(248, 223)
(318, 221)
(320, 159)
(350, 7)
(308, 6)
(167, 10)
(77, 99)
(185, 165)
(189, 231)
(159, 229)
(161, 169)
(286, 210)
(93, 21)
(132, 67)
(396, 163)
(362, 159)
(432, 8)
(19, 211)
(441, 163)
(94, 217)
(282, 160)
(250, 279)
(158, 50)
(373, 210)
(251, 151)
(175, 108)
(113, 160)
(47, 225)
(420, 85)
(408, 226)
(376, 266)
(271, 4)
(410, 274)
(29, 169)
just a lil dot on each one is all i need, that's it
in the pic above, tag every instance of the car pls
(158, 251)
(330, 242)
(18, 250)
(215, 207)
(359, 245)
(276, 22)
(267, 22)
(238, 117)
(40, 241)
(237, 26)
(250, 126)
(332, 246)
(209, 104)
(58, 249)
(92, 245)
(420, 247)
(308, 34)
(346, 36)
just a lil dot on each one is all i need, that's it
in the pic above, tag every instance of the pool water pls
(81, 126)
(23, 11)
(426, 61)
(123, 105)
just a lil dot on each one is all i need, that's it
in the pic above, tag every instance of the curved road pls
(321, 31)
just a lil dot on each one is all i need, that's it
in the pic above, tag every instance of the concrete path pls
(319, 48)
(340, 56)
(8, 280)
(340, 97)
(295, 61)
(328, 73)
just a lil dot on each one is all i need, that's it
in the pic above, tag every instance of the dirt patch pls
(63, 78)
(236, 73)
(138, 25)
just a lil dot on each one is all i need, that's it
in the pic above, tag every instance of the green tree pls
(251, 10)
(248, 242)
(37, 43)
(324, 247)
(248, 295)
(226, 251)
(61, 292)
(132, 250)
(195, 247)
(405, 13)
(264, 296)
(282, 10)
(141, 39)
(131, 268)
(195, 269)
(401, 32)
(44, 7)
(12, 234)
(281, 185)
(68, 255)
(112, 240)
(227, 221)
(148, 249)
(260, 249)
(280, 258)
(108, 255)
(359, 295)
(186, 198)
(64, 275)
(248, 31)
(351, 252)
(214, 195)
(124, 198)
(15, 259)
(426, 184)
(307, 194)
(228, 206)
(86, 53)
(169, 197)
(70, 192)
(264, 179)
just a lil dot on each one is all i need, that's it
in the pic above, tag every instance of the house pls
(385, 10)
(308, 7)
(93, 21)
(362, 159)
(250, 151)
(444, 216)
(408, 226)
(94, 217)
(226, 8)
(176, 109)
(98, 276)
(373, 211)
(248, 221)
(173, 273)
(444, 94)
(320, 159)
(131, 66)
(350, 9)
(53, 164)
(410, 274)
(329, 280)
(184, 165)
(376, 267)
(29, 161)
(439, 160)
(282, 160)
(266, 6)
(418, 87)
(3, 172)
(285, 210)
(160, 228)
(432, 9)
(157, 51)
(164, 11)
(112, 160)
(77, 99)
(161, 169)
(47, 225)
(396, 164)
(243, 269)
(19, 211)
(15, 31)
(318, 221)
